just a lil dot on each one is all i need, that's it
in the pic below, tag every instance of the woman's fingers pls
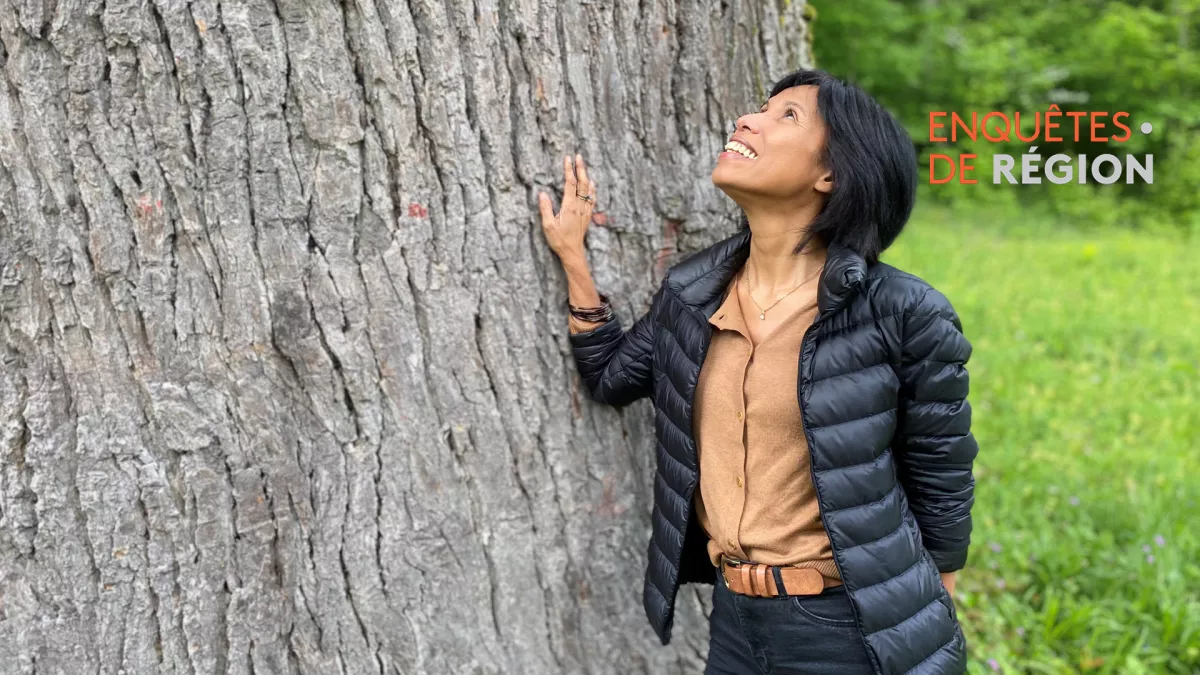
(583, 185)
(546, 209)
(565, 230)
(568, 177)
(577, 182)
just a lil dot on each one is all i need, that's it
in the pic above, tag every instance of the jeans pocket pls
(827, 609)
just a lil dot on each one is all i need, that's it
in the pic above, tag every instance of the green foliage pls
(1085, 391)
(918, 56)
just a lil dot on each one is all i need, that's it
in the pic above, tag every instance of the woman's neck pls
(772, 269)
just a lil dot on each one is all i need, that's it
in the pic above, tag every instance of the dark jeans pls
(801, 634)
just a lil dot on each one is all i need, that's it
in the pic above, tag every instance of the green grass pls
(1086, 406)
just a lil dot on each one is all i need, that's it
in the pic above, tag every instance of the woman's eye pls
(790, 111)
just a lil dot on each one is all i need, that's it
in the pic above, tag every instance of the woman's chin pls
(722, 178)
(720, 184)
(728, 184)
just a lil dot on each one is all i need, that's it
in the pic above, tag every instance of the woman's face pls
(786, 137)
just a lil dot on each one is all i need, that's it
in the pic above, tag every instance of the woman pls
(814, 444)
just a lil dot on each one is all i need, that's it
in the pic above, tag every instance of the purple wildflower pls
(994, 664)
(1020, 631)
(1146, 548)
(995, 547)
(1000, 583)
(1150, 558)
(1158, 539)
(1074, 500)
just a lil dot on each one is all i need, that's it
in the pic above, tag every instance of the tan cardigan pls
(756, 499)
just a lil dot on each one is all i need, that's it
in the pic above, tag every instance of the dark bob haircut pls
(874, 167)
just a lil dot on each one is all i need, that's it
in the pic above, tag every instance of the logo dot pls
(1147, 127)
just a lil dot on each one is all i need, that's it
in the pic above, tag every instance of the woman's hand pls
(565, 231)
(948, 582)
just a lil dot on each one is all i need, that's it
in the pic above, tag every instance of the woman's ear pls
(825, 183)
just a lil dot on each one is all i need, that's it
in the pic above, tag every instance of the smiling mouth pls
(737, 148)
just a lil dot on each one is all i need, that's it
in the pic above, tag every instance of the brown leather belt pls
(750, 578)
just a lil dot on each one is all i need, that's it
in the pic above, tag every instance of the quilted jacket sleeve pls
(615, 364)
(935, 447)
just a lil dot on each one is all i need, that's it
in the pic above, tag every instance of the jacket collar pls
(700, 280)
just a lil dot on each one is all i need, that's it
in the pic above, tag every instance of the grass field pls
(1085, 386)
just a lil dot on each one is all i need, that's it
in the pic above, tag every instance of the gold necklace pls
(762, 313)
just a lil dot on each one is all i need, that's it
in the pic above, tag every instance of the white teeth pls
(734, 146)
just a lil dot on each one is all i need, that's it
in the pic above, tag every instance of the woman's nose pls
(743, 122)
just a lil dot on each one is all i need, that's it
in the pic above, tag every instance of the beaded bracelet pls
(592, 314)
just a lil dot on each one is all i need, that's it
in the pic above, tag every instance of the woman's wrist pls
(577, 325)
(575, 259)
(581, 289)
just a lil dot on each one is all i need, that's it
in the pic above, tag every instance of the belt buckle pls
(732, 562)
(737, 563)
(721, 564)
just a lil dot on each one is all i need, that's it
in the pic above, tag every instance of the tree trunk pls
(286, 386)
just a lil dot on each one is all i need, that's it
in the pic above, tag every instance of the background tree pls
(286, 386)
(1136, 56)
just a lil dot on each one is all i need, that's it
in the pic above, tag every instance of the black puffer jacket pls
(882, 389)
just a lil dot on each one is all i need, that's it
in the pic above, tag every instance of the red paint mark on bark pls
(670, 234)
(143, 207)
(415, 210)
(600, 219)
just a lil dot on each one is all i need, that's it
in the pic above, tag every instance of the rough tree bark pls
(286, 386)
